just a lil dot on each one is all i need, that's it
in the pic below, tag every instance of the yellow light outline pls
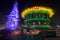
(26, 11)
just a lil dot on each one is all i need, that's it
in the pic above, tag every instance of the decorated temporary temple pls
(37, 22)
(37, 17)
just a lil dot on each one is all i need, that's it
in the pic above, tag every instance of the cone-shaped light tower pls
(13, 18)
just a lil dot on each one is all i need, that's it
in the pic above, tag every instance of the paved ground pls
(55, 38)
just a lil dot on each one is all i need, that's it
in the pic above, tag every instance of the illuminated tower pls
(13, 18)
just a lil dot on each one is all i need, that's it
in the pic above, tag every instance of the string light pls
(36, 9)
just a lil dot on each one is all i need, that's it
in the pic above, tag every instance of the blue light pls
(13, 18)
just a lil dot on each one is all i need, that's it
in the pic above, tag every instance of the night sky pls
(7, 5)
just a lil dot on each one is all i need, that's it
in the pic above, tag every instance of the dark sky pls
(7, 5)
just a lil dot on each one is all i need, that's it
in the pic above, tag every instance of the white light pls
(58, 26)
